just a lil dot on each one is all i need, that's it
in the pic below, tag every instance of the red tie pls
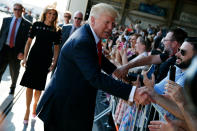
(99, 47)
(13, 34)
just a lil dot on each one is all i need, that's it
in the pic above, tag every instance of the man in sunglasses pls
(68, 29)
(172, 42)
(13, 37)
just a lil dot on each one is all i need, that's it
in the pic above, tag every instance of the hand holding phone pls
(151, 71)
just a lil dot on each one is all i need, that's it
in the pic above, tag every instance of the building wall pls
(77, 5)
(185, 13)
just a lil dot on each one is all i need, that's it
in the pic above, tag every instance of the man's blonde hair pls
(102, 8)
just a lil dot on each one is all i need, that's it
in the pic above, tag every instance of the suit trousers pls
(8, 56)
(49, 128)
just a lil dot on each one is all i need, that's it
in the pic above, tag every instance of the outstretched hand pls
(169, 125)
(121, 72)
(141, 96)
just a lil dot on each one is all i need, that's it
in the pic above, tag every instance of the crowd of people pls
(99, 54)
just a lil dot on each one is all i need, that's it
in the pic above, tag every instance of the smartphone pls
(151, 71)
(172, 73)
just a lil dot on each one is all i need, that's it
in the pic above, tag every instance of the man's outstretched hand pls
(121, 72)
(141, 96)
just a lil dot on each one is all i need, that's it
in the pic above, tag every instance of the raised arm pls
(123, 70)
(168, 104)
(176, 93)
(161, 100)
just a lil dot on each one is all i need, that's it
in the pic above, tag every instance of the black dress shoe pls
(11, 91)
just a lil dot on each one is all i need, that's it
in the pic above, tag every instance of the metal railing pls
(142, 116)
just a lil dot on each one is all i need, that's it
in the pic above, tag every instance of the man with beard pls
(158, 93)
(185, 97)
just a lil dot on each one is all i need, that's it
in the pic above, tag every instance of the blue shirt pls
(179, 79)
(160, 89)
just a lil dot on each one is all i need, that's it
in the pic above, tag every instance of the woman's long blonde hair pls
(43, 16)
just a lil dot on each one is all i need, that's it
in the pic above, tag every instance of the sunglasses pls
(183, 52)
(15, 9)
(78, 18)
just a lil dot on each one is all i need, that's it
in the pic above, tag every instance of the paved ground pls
(14, 119)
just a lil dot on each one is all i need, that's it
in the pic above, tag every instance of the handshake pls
(146, 94)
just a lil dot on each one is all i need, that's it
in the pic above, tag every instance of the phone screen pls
(172, 73)
(150, 71)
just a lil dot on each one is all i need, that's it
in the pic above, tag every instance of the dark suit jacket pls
(65, 33)
(69, 100)
(21, 36)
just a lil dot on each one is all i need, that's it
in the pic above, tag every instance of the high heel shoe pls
(33, 115)
(25, 122)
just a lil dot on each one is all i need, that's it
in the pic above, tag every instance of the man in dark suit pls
(69, 100)
(13, 37)
(68, 29)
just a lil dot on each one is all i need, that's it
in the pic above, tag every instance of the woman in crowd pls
(133, 40)
(130, 49)
(41, 59)
(142, 47)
